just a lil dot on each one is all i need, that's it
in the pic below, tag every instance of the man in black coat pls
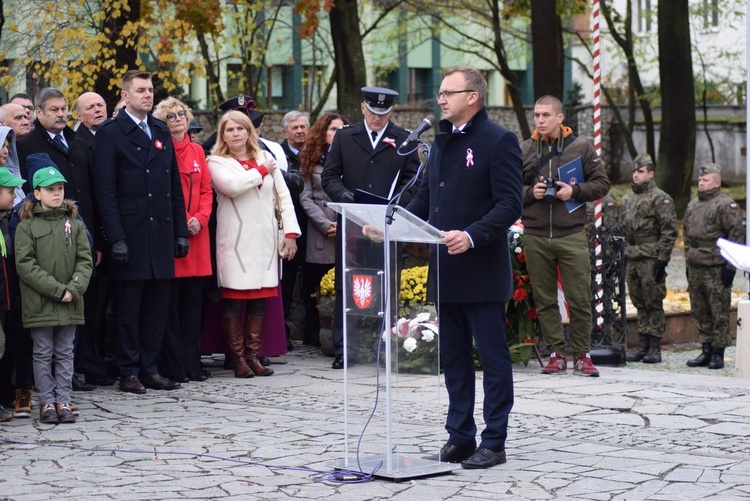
(473, 193)
(294, 128)
(95, 351)
(363, 157)
(51, 135)
(142, 209)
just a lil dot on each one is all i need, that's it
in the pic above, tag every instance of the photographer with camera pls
(554, 238)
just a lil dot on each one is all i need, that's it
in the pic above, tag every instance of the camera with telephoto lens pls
(550, 193)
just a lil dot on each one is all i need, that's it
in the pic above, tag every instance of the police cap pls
(246, 105)
(378, 100)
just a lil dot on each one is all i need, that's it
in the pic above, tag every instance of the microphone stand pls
(424, 156)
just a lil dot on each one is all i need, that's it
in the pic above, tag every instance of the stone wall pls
(727, 131)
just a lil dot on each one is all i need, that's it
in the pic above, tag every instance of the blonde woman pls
(248, 183)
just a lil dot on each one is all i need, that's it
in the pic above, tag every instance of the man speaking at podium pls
(472, 192)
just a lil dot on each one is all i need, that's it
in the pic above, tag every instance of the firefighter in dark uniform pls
(363, 157)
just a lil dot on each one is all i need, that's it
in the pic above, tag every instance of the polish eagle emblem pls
(362, 291)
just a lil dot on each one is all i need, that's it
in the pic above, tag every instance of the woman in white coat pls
(247, 182)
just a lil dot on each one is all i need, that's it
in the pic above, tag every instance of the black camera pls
(550, 193)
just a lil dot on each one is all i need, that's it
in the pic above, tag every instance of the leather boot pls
(637, 354)
(703, 359)
(717, 359)
(234, 336)
(253, 339)
(654, 351)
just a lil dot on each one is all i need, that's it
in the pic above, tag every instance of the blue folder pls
(572, 173)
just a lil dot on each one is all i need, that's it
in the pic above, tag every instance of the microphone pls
(426, 124)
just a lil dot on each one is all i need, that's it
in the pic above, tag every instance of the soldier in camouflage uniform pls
(650, 227)
(710, 216)
(610, 215)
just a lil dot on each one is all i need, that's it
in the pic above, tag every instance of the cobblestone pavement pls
(633, 433)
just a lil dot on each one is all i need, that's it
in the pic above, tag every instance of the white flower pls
(401, 321)
(431, 328)
(428, 335)
(410, 344)
(519, 250)
(422, 317)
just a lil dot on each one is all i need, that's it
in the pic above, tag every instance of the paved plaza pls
(633, 433)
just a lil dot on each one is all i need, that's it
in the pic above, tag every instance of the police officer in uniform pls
(650, 226)
(363, 157)
(711, 216)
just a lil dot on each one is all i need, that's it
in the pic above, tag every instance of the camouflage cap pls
(709, 168)
(642, 160)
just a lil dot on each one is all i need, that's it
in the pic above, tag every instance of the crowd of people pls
(128, 249)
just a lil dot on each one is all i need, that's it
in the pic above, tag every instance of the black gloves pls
(727, 276)
(660, 270)
(181, 246)
(119, 253)
(347, 198)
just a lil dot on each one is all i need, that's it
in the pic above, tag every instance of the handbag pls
(279, 221)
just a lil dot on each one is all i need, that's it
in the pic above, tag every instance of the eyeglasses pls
(172, 117)
(448, 93)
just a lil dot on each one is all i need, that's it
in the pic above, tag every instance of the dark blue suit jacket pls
(139, 196)
(483, 199)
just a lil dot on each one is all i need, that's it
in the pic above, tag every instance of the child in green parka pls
(53, 260)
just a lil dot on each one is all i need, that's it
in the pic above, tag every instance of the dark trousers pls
(141, 309)
(16, 366)
(312, 273)
(484, 323)
(288, 281)
(95, 355)
(182, 340)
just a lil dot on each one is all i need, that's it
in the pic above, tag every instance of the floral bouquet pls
(416, 340)
(520, 317)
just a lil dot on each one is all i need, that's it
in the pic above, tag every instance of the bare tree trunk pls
(677, 134)
(547, 46)
(349, 57)
(125, 56)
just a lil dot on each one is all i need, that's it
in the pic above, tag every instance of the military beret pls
(378, 100)
(709, 168)
(246, 105)
(642, 160)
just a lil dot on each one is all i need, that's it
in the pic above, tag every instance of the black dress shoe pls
(200, 376)
(79, 385)
(338, 362)
(159, 382)
(179, 379)
(484, 458)
(450, 453)
(264, 361)
(132, 384)
(100, 381)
